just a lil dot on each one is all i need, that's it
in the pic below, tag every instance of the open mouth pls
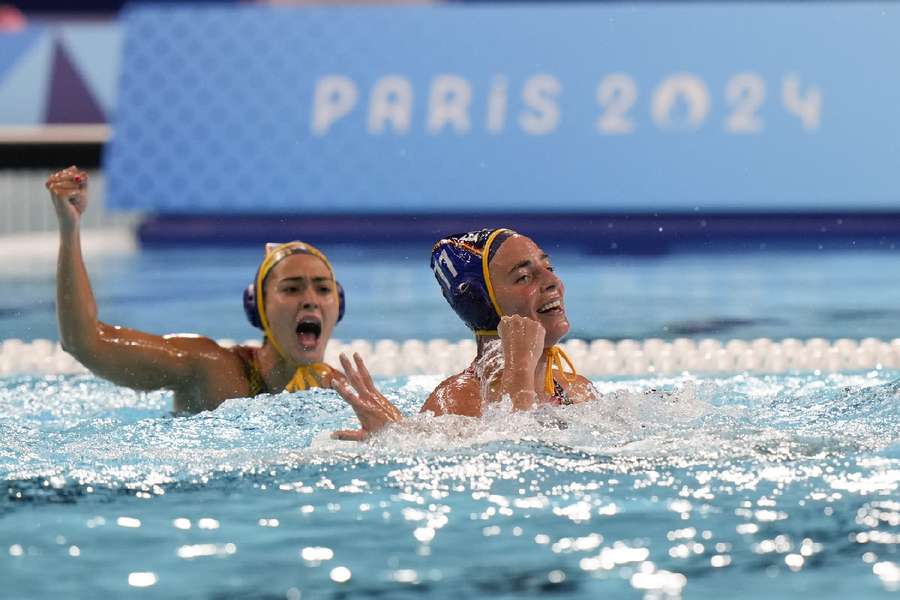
(552, 307)
(308, 332)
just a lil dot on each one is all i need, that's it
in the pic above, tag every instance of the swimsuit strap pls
(307, 377)
(255, 380)
(304, 378)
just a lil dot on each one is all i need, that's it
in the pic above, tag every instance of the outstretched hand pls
(68, 190)
(371, 407)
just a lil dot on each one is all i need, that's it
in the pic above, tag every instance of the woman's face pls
(525, 284)
(302, 307)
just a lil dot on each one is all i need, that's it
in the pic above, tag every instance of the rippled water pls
(391, 293)
(745, 486)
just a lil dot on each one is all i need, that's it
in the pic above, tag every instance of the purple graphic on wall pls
(69, 99)
(59, 75)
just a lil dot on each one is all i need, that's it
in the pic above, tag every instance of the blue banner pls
(58, 75)
(527, 108)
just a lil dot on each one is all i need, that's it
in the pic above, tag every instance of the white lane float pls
(596, 358)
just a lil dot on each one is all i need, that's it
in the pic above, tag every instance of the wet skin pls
(531, 297)
(200, 372)
(524, 282)
(300, 290)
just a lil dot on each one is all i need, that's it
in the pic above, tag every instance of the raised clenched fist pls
(68, 190)
(522, 340)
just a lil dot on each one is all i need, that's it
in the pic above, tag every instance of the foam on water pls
(785, 484)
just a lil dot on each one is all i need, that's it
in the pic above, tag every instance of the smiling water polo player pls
(503, 286)
(294, 299)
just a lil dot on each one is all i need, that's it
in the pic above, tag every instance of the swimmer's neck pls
(275, 370)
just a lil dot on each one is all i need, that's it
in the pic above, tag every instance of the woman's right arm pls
(522, 342)
(124, 356)
(76, 309)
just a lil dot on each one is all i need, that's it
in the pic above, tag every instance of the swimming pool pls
(392, 295)
(699, 487)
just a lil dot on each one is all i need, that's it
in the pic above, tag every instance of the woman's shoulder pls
(195, 343)
(459, 394)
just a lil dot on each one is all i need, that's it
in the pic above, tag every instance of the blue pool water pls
(739, 486)
(392, 294)
(742, 487)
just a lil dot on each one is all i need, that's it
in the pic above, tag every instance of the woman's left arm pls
(373, 410)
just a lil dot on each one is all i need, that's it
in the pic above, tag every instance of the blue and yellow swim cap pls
(254, 308)
(305, 376)
(460, 264)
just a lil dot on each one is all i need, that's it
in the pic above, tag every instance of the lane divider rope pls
(597, 358)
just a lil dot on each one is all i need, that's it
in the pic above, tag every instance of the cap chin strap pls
(486, 275)
(485, 332)
(486, 272)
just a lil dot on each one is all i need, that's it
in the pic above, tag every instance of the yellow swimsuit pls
(305, 377)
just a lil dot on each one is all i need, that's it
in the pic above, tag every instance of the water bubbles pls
(612, 556)
(578, 512)
(649, 471)
(766, 516)
(680, 506)
(718, 561)
(794, 561)
(128, 522)
(142, 579)
(316, 554)
(665, 583)
(686, 533)
(405, 576)
(556, 576)
(207, 523)
(191, 551)
(889, 574)
(581, 544)
(424, 534)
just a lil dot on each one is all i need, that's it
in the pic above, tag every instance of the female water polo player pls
(502, 285)
(294, 299)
